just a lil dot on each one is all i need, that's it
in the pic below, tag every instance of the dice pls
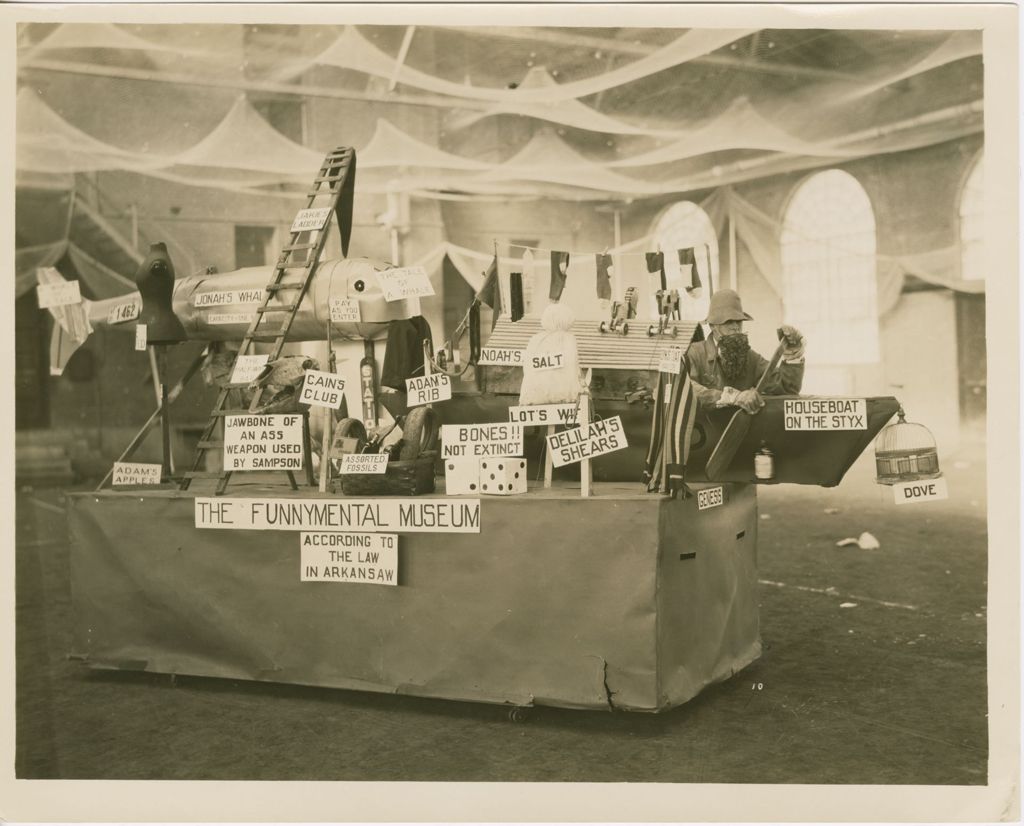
(461, 476)
(502, 477)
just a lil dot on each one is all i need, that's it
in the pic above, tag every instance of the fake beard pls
(732, 356)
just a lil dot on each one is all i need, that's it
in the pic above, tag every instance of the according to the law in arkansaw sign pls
(268, 442)
(322, 389)
(826, 414)
(578, 443)
(349, 557)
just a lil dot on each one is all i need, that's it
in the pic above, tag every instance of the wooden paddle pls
(735, 432)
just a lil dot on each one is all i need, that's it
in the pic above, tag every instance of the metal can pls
(764, 463)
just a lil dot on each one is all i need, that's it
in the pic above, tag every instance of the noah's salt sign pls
(826, 414)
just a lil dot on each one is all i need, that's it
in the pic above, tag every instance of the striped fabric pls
(675, 407)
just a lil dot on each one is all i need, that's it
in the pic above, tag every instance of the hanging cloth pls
(656, 263)
(688, 258)
(604, 279)
(559, 268)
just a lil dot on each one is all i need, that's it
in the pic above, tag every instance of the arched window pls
(972, 217)
(828, 267)
(686, 226)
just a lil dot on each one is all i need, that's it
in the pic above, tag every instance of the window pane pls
(828, 262)
(684, 226)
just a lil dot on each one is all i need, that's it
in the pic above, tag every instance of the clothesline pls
(613, 251)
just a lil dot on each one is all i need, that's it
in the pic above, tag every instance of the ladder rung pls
(320, 193)
(327, 178)
(298, 247)
(204, 474)
(295, 265)
(285, 285)
(276, 308)
(210, 444)
(266, 338)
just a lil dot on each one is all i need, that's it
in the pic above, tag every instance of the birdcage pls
(905, 452)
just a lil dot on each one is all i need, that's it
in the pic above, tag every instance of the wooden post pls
(548, 466)
(325, 447)
(584, 421)
(160, 363)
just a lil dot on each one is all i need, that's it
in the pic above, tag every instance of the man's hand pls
(795, 344)
(749, 401)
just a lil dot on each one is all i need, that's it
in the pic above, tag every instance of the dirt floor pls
(873, 673)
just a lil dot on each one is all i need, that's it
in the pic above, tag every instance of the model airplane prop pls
(220, 307)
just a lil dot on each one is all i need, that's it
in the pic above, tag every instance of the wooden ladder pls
(332, 194)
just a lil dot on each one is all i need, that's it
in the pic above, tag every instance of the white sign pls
(364, 462)
(311, 219)
(218, 298)
(542, 414)
(548, 361)
(499, 439)
(58, 294)
(500, 356)
(596, 439)
(123, 312)
(826, 414)
(710, 498)
(349, 557)
(270, 442)
(322, 389)
(230, 318)
(925, 490)
(669, 360)
(344, 310)
(404, 282)
(135, 473)
(427, 389)
(247, 368)
(140, 336)
(391, 514)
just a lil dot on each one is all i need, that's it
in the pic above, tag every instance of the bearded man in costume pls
(725, 371)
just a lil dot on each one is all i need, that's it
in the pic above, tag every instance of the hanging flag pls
(559, 270)
(656, 263)
(688, 258)
(490, 292)
(604, 280)
(675, 409)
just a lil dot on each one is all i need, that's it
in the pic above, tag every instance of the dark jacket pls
(706, 374)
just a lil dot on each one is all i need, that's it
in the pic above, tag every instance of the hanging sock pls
(656, 263)
(515, 288)
(604, 279)
(688, 258)
(559, 270)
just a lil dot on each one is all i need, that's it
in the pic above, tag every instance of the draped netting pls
(693, 122)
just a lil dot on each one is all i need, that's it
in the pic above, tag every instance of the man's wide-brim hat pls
(726, 306)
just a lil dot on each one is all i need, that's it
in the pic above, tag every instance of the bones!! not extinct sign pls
(481, 440)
